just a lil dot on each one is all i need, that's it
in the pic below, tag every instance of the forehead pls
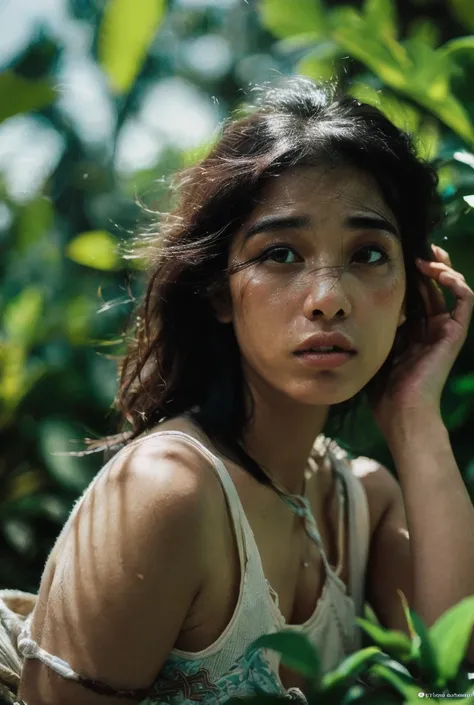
(321, 192)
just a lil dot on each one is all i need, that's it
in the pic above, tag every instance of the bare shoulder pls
(379, 484)
(128, 567)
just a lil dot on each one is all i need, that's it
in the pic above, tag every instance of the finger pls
(433, 269)
(432, 294)
(462, 312)
(441, 254)
(433, 297)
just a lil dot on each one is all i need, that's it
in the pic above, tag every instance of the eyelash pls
(265, 255)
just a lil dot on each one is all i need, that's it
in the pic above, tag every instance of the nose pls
(327, 296)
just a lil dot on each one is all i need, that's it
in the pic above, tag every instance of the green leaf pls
(402, 114)
(381, 17)
(125, 35)
(424, 31)
(288, 19)
(316, 68)
(22, 315)
(392, 641)
(297, 42)
(35, 220)
(370, 615)
(408, 691)
(19, 95)
(190, 157)
(427, 655)
(450, 637)
(385, 57)
(464, 11)
(296, 651)
(350, 667)
(96, 249)
(450, 111)
(464, 385)
(456, 45)
(431, 69)
(428, 140)
(18, 376)
(77, 322)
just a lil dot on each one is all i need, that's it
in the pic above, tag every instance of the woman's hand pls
(419, 375)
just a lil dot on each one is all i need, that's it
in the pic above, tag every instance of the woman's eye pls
(367, 254)
(280, 255)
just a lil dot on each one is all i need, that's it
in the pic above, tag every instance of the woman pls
(284, 286)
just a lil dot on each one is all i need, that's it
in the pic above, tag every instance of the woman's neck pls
(281, 441)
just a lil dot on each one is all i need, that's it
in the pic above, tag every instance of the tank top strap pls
(359, 529)
(241, 526)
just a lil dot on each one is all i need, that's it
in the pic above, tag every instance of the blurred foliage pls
(396, 668)
(66, 289)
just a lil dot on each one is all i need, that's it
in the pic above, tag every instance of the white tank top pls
(228, 668)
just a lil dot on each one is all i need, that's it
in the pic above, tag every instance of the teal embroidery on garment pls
(182, 681)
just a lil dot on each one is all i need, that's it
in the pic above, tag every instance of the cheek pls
(255, 299)
(388, 294)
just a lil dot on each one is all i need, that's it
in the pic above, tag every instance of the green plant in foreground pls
(395, 670)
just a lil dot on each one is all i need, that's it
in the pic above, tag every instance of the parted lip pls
(325, 340)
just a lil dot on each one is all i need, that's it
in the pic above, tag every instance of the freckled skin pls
(325, 281)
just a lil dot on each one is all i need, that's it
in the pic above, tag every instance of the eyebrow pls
(270, 223)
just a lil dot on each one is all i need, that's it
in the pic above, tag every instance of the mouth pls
(324, 359)
(332, 350)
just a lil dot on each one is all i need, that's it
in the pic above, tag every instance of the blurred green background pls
(100, 101)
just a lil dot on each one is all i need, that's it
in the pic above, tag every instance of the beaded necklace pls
(300, 505)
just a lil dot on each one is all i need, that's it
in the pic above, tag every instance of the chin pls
(323, 392)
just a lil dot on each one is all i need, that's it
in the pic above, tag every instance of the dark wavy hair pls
(180, 358)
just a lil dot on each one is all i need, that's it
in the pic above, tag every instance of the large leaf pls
(392, 641)
(427, 658)
(451, 112)
(385, 56)
(428, 140)
(126, 32)
(296, 651)
(405, 116)
(22, 315)
(424, 31)
(431, 70)
(35, 220)
(19, 95)
(313, 66)
(450, 637)
(381, 17)
(285, 19)
(409, 691)
(96, 249)
(350, 667)
(457, 45)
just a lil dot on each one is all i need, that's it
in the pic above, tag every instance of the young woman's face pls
(336, 266)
